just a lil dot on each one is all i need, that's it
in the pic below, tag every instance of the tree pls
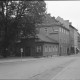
(18, 19)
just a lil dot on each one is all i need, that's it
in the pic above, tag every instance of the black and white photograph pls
(39, 39)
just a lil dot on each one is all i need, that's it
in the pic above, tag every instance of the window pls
(56, 49)
(38, 48)
(46, 30)
(64, 30)
(53, 48)
(46, 48)
(60, 29)
(67, 32)
(50, 49)
(56, 30)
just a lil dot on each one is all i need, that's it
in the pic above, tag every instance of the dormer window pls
(56, 30)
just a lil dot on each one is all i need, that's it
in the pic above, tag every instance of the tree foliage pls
(18, 19)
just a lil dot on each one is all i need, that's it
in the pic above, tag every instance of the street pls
(71, 72)
(48, 68)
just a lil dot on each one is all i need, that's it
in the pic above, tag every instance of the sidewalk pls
(15, 59)
(19, 59)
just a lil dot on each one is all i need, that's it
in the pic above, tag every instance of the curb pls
(16, 60)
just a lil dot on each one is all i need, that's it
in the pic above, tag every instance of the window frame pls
(38, 48)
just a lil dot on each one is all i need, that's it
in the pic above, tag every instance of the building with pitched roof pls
(53, 37)
(53, 29)
(73, 35)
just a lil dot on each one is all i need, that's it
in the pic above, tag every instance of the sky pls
(68, 10)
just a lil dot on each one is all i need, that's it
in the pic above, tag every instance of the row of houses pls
(55, 36)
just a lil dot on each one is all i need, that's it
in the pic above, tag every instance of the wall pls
(58, 33)
(75, 38)
(63, 40)
(71, 40)
(79, 41)
(50, 31)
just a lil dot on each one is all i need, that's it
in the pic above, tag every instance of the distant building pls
(73, 34)
(73, 38)
(79, 41)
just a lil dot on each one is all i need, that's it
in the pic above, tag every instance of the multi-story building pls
(63, 40)
(79, 41)
(45, 32)
(44, 45)
(56, 31)
(64, 35)
(73, 35)
(73, 39)
(54, 37)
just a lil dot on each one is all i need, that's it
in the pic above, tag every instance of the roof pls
(73, 27)
(44, 38)
(49, 24)
(64, 22)
(48, 21)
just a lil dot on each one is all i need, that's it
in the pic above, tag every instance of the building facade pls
(73, 35)
(63, 40)
(46, 46)
(73, 39)
(64, 35)
(54, 37)
(56, 31)
(79, 41)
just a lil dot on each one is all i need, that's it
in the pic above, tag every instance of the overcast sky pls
(68, 10)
